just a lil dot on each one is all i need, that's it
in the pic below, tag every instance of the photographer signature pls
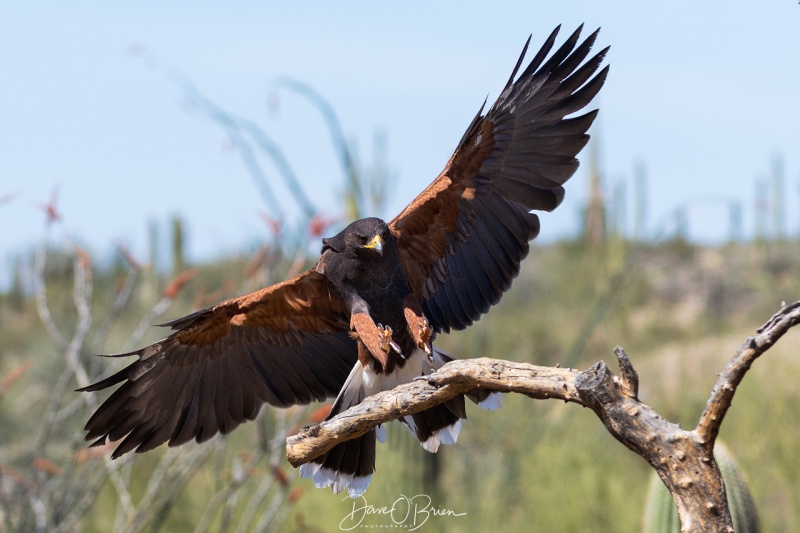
(408, 512)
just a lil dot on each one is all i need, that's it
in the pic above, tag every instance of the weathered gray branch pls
(453, 379)
(685, 465)
(683, 459)
(731, 376)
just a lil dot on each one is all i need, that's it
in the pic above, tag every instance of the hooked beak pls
(375, 244)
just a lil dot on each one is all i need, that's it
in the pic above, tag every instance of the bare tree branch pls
(683, 463)
(683, 459)
(453, 379)
(731, 376)
(40, 291)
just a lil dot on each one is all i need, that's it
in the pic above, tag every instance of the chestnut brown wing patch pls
(284, 345)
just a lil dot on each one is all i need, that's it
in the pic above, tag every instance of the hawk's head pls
(366, 239)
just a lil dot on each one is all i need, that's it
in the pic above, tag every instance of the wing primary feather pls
(534, 197)
(186, 426)
(277, 393)
(579, 77)
(562, 52)
(556, 145)
(222, 386)
(473, 125)
(521, 57)
(257, 387)
(469, 284)
(509, 216)
(490, 262)
(477, 269)
(579, 99)
(330, 382)
(514, 248)
(501, 258)
(462, 287)
(448, 299)
(206, 423)
(238, 373)
(435, 316)
(160, 412)
(299, 378)
(568, 126)
(293, 380)
(541, 54)
(563, 70)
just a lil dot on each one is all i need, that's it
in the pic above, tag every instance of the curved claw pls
(396, 348)
(385, 338)
(424, 335)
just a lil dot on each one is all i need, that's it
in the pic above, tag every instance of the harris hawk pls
(364, 317)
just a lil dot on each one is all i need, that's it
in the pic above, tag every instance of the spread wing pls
(461, 241)
(286, 344)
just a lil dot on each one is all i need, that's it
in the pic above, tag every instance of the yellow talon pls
(385, 338)
(424, 334)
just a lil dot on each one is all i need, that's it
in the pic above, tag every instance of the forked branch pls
(731, 376)
(683, 459)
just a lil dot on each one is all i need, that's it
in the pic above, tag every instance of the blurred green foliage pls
(679, 310)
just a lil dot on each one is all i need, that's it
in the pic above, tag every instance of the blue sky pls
(705, 94)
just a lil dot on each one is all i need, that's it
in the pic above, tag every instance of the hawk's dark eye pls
(363, 239)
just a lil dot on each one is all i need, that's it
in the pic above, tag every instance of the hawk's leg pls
(377, 338)
(418, 325)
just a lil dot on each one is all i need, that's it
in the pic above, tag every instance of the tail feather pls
(486, 399)
(444, 435)
(349, 465)
(442, 424)
(482, 398)
(438, 425)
